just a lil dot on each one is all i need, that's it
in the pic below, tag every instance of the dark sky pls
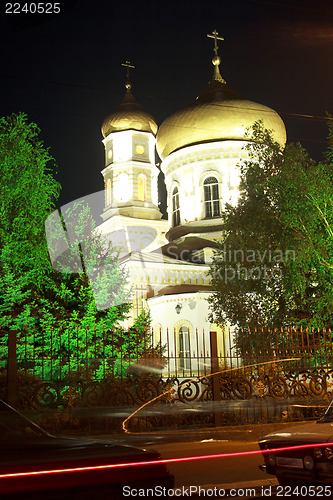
(65, 70)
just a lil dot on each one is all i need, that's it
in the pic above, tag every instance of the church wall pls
(193, 314)
(189, 167)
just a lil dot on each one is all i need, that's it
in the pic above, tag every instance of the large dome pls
(129, 116)
(217, 114)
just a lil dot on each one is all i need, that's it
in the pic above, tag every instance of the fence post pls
(12, 369)
(215, 379)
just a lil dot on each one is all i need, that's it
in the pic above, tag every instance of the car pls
(38, 465)
(309, 459)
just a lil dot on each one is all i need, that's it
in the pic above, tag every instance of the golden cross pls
(128, 65)
(214, 35)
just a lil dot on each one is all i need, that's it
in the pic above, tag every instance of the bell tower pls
(130, 174)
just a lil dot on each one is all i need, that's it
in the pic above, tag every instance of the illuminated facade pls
(200, 147)
(130, 176)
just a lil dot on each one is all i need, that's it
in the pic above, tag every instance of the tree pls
(87, 300)
(36, 299)
(27, 195)
(274, 267)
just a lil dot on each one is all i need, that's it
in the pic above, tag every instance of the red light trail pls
(166, 461)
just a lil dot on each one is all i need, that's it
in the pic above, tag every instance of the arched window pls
(108, 192)
(141, 188)
(212, 198)
(175, 207)
(184, 348)
(157, 334)
(123, 189)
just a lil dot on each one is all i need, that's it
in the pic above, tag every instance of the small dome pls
(129, 116)
(217, 114)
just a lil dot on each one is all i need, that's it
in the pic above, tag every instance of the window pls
(141, 188)
(123, 191)
(175, 207)
(212, 199)
(184, 348)
(109, 153)
(157, 334)
(108, 192)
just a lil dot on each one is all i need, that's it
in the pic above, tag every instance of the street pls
(233, 477)
(213, 471)
(223, 477)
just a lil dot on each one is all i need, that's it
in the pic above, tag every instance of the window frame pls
(212, 201)
(175, 207)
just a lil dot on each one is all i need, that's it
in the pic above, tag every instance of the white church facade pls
(200, 147)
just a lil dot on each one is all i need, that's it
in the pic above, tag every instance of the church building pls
(200, 147)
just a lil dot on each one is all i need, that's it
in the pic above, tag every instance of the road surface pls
(213, 471)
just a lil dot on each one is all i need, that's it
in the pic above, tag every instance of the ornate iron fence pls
(240, 376)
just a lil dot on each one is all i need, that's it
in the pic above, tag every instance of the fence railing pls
(53, 354)
(52, 368)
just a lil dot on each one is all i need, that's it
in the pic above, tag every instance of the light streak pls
(163, 461)
(170, 391)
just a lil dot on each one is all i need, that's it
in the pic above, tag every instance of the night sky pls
(65, 70)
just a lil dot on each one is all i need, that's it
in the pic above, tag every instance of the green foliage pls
(76, 353)
(89, 274)
(275, 266)
(38, 301)
(27, 194)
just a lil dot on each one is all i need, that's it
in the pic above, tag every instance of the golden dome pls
(219, 114)
(129, 116)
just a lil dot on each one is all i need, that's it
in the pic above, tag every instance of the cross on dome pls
(216, 59)
(128, 65)
(214, 35)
